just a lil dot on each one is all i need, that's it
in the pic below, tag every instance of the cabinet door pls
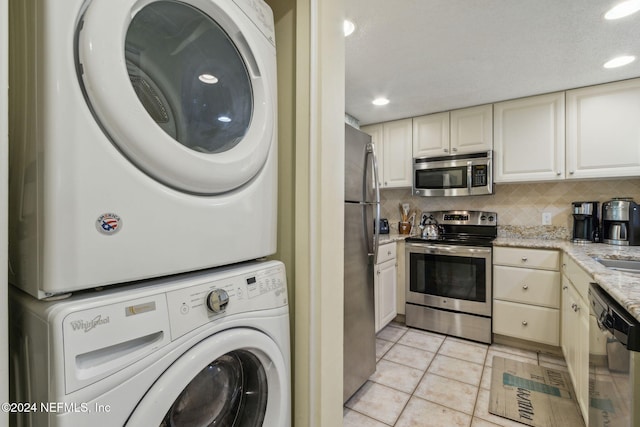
(529, 139)
(431, 135)
(568, 327)
(575, 341)
(603, 130)
(472, 129)
(582, 359)
(385, 293)
(377, 138)
(397, 158)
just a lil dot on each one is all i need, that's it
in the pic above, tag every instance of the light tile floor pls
(426, 379)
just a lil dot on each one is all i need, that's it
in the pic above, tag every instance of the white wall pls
(4, 82)
(310, 49)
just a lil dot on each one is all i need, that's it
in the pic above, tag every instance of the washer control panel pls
(193, 306)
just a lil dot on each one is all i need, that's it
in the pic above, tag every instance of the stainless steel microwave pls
(459, 175)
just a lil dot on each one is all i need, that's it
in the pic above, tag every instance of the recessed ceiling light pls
(380, 101)
(623, 9)
(209, 79)
(619, 61)
(348, 27)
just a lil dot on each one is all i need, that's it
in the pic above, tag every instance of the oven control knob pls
(483, 218)
(491, 218)
(217, 300)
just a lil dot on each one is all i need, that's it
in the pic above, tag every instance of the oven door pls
(449, 277)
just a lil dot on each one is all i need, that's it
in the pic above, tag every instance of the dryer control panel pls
(193, 306)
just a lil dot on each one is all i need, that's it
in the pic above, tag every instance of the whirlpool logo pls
(87, 325)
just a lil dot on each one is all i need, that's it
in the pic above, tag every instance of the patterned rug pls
(533, 395)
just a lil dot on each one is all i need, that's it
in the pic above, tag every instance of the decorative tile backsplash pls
(520, 206)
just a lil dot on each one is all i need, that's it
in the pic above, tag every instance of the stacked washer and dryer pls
(143, 192)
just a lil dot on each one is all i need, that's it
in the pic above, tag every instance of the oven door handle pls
(449, 249)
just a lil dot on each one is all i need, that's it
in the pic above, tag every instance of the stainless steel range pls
(448, 274)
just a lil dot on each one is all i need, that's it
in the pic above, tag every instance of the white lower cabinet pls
(575, 330)
(384, 283)
(526, 297)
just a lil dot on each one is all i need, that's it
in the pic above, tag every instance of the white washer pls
(143, 139)
(156, 354)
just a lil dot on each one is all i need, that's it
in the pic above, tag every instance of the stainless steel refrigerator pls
(361, 225)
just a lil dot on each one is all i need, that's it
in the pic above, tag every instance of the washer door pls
(234, 378)
(180, 87)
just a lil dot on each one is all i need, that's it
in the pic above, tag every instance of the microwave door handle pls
(469, 176)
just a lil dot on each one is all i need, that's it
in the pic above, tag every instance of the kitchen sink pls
(626, 265)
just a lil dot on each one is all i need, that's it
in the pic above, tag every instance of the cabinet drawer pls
(577, 276)
(538, 324)
(386, 252)
(538, 287)
(530, 258)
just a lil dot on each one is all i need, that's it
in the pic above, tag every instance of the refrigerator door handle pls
(371, 153)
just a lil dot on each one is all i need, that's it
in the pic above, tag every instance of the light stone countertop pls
(623, 287)
(393, 236)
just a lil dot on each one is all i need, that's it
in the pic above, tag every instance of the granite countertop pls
(393, 236)
(623, 287)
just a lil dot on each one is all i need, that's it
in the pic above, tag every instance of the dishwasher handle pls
(610, 315)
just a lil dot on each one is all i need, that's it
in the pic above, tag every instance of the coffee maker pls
(585, 221)
(621, 222)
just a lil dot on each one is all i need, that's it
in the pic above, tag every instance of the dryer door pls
(238, 377)
(182, 88)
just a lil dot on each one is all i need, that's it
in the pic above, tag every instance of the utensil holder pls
(404, 227)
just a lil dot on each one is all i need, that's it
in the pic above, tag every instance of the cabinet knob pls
(572, 172)
(564, 288)
(524, 259)
(454, 149)
(558, 173)
(446, 150)
(388, 252)
(575, 307)
(524, 323)
(525, 287)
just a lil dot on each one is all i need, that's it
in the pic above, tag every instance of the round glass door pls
(182, 91)
(230, 391)
(235, 378)
(189, 76)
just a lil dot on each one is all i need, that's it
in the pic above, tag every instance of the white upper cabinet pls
(529, 140)
(603, 130)
(393, 145)
(397, 159)
(462, 131)
(472, 129)
(431, 135)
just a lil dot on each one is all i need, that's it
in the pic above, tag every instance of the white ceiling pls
(436, 55)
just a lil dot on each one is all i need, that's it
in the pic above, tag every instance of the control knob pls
(217, 300)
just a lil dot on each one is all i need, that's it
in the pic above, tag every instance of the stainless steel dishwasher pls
(614, 363)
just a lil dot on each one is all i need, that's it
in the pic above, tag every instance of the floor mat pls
(533, 395)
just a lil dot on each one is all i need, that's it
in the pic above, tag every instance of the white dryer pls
(204, 349)
(142, 139)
